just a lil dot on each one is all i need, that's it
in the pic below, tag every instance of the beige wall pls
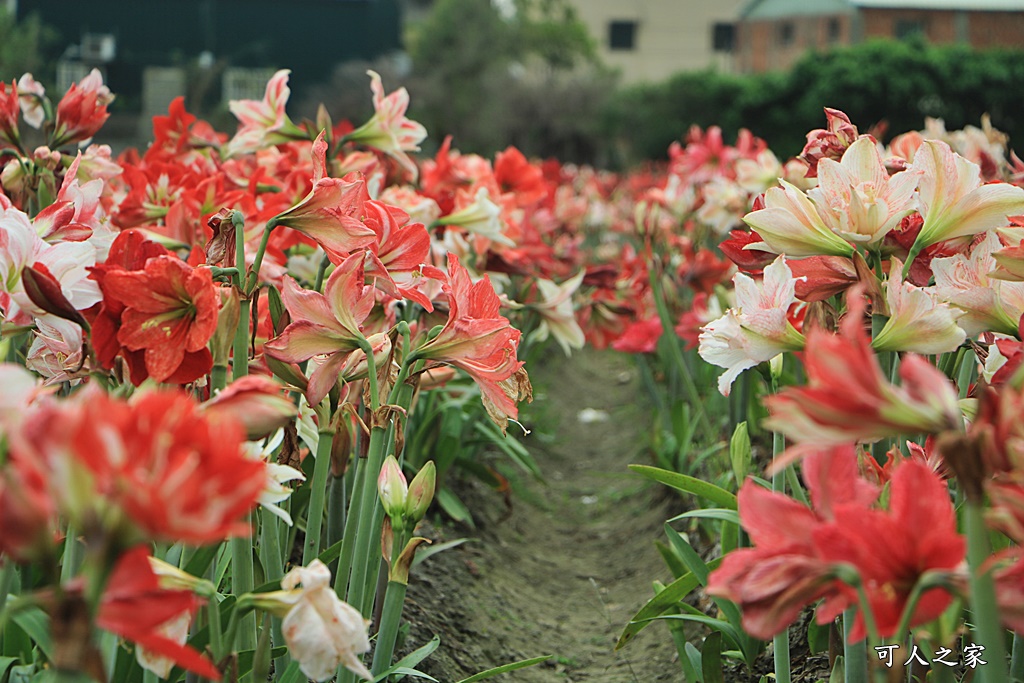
(671, 35)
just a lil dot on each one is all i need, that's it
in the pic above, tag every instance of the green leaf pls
(671, 559)
(331, 553)
(454, 508)
(711, 659)
(5, 667)
(817, 637)
(730, 516)
(505, 668)
(293, 674)
(406, 671)
(692, 665)
(688, 484)
(716, 625)
(838, 671)
(201, 560)
(440, 547)
(36, 624)
(410, 660)
(665, 600)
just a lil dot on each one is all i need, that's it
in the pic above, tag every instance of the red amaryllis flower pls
(828, 143)
(257, 402)
(751, 261)
(640, 336)
(9, 109)
(82, 111)
(891, 549)
(325, 325)
(155, 468)
(515, 174)
(480, 341)
(848, 398)
(27, 512)
(135, 607)
(785, 571)
(170, 313)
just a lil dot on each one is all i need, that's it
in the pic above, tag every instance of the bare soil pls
(563, 570)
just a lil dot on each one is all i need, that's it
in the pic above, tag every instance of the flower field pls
(247, 375)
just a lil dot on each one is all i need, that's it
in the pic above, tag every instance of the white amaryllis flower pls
(30, 99)
(954, 202)
(275, 491)
(858, 198)
(725, 202)
(481, 217)
(757, 175)
(790, 224)
(917, 321)
(989, 305)
(321, 631)
(557, 317)
(756, 329)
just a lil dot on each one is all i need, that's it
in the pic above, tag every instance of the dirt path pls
(573, 561)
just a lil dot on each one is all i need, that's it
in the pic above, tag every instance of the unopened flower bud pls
(393, 488)
(421, 493)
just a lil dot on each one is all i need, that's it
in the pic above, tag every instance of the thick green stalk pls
(317, 497)
(1017, 659)
(780, 643)
(855, 661)
(367, 536)
(391, 618)
(218, 377)
(243, 581)
(348, 541)
(273, 566)
(336, 499)
(984, 608)
(253, 278)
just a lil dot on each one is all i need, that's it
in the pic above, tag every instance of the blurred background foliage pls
(527, 73)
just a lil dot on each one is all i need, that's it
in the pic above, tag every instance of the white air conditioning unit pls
(98, 48)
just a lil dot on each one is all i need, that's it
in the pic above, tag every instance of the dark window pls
(723, 37)
(905, 28)
(834, 30)
(622, 35)
(786, 32)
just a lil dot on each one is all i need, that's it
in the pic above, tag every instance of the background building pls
(772, 34)
(649, 40)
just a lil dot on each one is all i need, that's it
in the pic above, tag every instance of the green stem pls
(983, 595)
(780, 643)
(855, 661)
(243, 581)
(216, 631)
(218, 378)
(254, 275)
(336, 496)
(366, 535)
(391, 617)
(1017, 659)
(240, 362)
(348, 541)
(317, 497)
(321, 269)
(273, 567)
(8, 573)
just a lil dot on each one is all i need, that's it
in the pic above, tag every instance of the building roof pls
(967, 5)
(778, 9)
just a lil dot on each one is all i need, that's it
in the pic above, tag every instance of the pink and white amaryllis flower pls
(330, 213)
(325, 324)
(954, 202)
(479, 340)
(321, 631)
(917, 322)
(478, 215)
(848, 398)
(756, 328)
(964, 281)
(790, 224)
(263, 123)
(557, 314)
(397, 258)
(56, 351)
(858, 198)
(30, 99)
(389, 130)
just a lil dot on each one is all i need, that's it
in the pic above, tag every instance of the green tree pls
(23, 45)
